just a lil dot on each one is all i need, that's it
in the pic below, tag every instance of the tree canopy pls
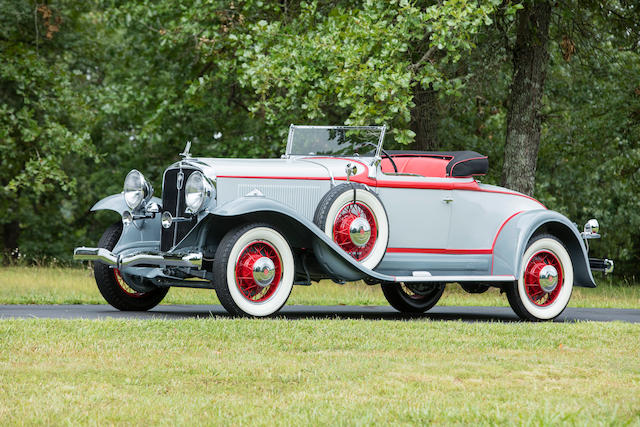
(89, 90)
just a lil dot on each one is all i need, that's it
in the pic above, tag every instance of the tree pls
(126, 83)
(369, 62)
(41, 114)
(530, 59)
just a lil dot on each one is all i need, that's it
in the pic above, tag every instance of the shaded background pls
(90, 90)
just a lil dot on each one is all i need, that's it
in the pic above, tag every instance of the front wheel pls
(253, 270)
(412, 297)
(545, 282)
(115, 287)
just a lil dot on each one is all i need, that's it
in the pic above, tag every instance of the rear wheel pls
(253, 270)
(118, 288)
(412, 297)
(545, 282)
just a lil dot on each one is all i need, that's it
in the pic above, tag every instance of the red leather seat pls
(425, 166)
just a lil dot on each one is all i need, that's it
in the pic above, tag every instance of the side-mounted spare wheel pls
(545, 280)
(253, 270)
(356, 220)
(118, 288)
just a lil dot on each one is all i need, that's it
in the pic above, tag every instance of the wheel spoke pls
(533, 288)
(342, 233)
(245, 279)
(124, 286)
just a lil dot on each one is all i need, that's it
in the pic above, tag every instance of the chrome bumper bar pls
(107, 257)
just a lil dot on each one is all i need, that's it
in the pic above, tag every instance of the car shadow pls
(465, 314)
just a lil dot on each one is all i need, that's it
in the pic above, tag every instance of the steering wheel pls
(382, 150)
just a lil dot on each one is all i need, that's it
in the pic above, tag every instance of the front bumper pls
(138, 259)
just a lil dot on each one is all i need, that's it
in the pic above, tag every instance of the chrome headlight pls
(197, 190)
(136, 190)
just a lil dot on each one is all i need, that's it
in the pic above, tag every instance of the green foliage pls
(89, 90)
(42, 114)
(589, 165)
(357, 64)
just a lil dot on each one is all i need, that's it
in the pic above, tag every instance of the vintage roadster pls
(337, 206)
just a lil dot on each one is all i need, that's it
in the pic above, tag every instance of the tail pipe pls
(604, 265)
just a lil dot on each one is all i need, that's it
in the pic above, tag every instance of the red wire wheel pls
(532, 281)
(342, 229)
(258, 271)
(412, 294)
(126, 288)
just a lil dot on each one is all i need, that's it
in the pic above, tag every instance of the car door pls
(419, 212)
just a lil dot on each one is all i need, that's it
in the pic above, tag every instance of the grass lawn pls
(311, 371)
(331, 371)
(43, 285)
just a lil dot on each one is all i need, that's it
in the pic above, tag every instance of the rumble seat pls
(437, 163)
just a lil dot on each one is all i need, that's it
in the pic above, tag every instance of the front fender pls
(512, 240)
(331, 256)
(143, 235)
(116, 203)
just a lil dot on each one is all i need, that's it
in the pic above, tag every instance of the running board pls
(451, 279)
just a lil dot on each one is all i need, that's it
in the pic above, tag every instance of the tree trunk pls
(424, 118)
(530, 59)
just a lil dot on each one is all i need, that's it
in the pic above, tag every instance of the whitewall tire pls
(356, 220)
(253, 270)
(545, 280)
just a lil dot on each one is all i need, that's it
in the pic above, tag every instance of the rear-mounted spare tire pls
(354, 217)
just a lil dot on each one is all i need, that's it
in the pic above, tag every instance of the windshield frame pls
(293, 127)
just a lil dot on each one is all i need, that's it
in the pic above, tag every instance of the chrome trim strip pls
(451, 279)
(333, 183)
(177, 213)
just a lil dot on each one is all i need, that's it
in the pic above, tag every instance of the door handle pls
(447, 200)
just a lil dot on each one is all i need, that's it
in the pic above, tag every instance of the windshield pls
(335, 140)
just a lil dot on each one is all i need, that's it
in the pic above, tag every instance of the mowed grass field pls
(223, 371)
(45, 285)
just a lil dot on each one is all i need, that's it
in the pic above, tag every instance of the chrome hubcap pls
(548, 278)
(359, 231)
(264, 271)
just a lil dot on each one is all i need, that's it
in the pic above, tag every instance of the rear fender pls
(514, 236)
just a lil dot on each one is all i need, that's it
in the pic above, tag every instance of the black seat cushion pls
(461, 163)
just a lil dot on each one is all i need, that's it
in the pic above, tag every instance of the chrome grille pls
(173, 202)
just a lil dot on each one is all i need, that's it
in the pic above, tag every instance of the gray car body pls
(453, 228)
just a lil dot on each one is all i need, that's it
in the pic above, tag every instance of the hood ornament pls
(186, 154)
